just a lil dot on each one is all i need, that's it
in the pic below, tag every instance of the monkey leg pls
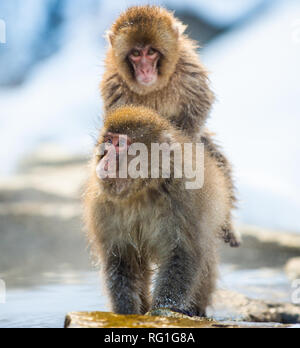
(127, 282)
(175, 281)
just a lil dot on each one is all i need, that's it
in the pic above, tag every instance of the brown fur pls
(182, 93)
(145, 25)
(161, 223)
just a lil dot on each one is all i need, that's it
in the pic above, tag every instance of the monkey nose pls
(145, 71)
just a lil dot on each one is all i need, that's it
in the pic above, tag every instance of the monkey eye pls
(135, 53)
(151, 51)
(109, 141)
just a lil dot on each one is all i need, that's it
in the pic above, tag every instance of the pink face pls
(144, 61)
(115, 147)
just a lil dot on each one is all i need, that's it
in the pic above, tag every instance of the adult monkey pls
(152, 63)
(134, 222)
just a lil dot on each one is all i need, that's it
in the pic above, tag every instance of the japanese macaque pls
(136, 222)
(152, 63)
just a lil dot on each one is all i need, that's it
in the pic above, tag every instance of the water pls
(45, 302)
(46, 306)
(264, 283)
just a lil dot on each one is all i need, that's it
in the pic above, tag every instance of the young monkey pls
(134, 222)
(152, 63)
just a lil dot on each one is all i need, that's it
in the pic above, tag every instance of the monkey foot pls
(230, 238)
(189, 313)
(235, 244)
(173, 312)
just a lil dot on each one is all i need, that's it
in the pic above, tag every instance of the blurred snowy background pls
(52, 62)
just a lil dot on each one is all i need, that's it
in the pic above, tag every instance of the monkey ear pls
(179, 28)
(110, 37)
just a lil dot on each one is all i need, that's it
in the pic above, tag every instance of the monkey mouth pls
(146, 79)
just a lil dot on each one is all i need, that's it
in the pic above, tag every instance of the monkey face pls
(111, 155)
(123, 166)
(144, 61)
(145, 48)
(112, 161)
(123, 158)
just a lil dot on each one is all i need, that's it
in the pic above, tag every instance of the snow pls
(60, 102)
(23, 21)
(257, 118)
(218, 12)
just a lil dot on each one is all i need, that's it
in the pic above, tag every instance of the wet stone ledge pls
(102, 320)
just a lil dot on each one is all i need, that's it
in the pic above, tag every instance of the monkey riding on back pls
(152, 63)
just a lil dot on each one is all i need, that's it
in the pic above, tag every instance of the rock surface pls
(103, 320)
(248, 310)
(110, 320)
(263, 238)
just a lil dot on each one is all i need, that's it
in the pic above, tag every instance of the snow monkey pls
(134, 223)
(152, 63)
